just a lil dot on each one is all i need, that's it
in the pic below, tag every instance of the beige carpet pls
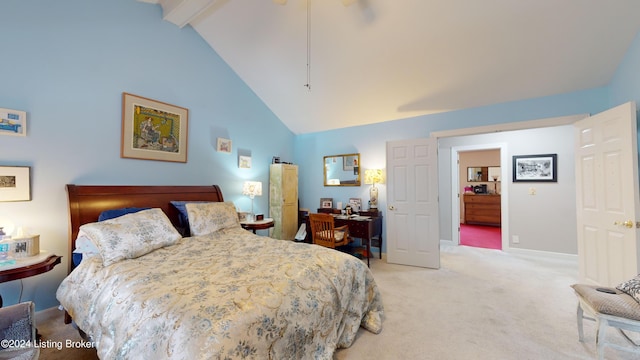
(482, 304)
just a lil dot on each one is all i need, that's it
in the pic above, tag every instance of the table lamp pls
(252, 189)
(373, 176)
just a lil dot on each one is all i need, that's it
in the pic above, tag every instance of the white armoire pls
(283, 200)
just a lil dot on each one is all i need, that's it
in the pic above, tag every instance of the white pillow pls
(132, 235)
(207, 218)
(85, 246)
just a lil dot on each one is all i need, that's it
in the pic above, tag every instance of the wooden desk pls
(22, 271)
(257, 225)
(366, 230)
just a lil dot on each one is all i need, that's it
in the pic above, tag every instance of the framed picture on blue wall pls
(153, 130)
(13, 122)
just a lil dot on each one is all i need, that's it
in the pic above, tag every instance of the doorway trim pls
(455, 195)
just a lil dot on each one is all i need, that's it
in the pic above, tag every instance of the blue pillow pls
(110, 214)
(183, 217)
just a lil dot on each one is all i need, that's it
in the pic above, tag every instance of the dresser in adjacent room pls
(482, 209)
(283, 200)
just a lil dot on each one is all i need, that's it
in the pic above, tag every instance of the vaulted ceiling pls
(328, 64)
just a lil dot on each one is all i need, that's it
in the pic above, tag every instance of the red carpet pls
(488, 237)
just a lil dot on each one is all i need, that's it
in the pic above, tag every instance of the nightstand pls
(257, 225)
(26, 267)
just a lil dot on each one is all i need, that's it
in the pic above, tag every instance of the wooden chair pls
(325, 234)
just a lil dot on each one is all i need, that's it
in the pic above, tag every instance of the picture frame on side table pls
(13, 122)
(326, 203)
(535, 168)
(356, 204)
(153, 130)
(15, 183)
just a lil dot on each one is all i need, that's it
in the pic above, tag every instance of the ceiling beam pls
(182, 12)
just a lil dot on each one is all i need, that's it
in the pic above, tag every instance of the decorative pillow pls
(206, 218)
(110, 214)
(631, 287)
(132, 235)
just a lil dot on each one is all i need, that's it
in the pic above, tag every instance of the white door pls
(413, 236)
(607, 196)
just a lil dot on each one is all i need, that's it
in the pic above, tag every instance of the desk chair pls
(325, 234)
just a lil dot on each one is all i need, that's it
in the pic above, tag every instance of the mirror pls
(342, 170)
(483, 173)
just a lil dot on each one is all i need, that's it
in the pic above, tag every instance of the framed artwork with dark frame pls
(153, 130)
(535, 168)
(15, 183)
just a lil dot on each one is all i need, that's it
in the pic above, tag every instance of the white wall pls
(545, 221)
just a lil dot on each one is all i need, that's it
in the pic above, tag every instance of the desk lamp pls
(373, 176)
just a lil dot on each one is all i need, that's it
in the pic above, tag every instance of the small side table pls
(257, 225)
(26, 267)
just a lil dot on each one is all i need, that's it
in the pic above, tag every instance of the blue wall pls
(66, 63)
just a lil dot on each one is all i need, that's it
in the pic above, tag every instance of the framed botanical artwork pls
(153, 130)
(244, 162)
(326, 203)
(224, 145)
(535, 168)
(13, 122)
(15, 183)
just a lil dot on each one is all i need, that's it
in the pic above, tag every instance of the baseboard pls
(543, 254)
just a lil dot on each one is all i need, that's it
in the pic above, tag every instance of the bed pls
(221, 292)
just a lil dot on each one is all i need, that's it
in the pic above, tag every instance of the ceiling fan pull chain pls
(308, 84)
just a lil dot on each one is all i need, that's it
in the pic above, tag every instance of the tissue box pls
(25, 247)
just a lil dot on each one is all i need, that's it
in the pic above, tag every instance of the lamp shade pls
(374, 176)
(252, 188)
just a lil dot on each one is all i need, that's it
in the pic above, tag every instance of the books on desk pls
(353, 217)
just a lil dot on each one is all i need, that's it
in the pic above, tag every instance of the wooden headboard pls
(86, 202)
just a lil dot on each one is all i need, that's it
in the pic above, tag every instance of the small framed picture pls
(356, 204)
(535, 168)
(326, 203)
(224, 145)
(13, 122)
(15, 183)
(244, 162)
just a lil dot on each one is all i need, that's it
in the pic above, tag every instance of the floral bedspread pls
(227, 295)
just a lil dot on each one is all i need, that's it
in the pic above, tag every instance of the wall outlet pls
(515, 239)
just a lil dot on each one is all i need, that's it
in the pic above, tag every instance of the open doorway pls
(479, 204)
(480, 214)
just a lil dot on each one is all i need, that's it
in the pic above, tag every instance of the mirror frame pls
(356, 169)
(483, 172)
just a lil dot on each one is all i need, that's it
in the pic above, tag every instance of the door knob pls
(628, 224)
(391, 207)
